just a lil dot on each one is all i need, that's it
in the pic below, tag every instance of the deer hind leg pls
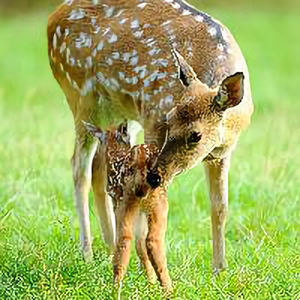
(217, 177)
(126, 216)
(157, 213)
(140, 245)
(102, 200)
(85, 148)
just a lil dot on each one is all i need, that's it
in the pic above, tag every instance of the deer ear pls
(185, 71)
(231, 91)
(94, 131)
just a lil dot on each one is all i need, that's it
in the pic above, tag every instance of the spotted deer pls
(127, 184)
(159, 63)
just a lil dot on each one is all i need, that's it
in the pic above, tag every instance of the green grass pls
(39, 257)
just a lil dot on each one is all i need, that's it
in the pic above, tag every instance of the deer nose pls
(153, 179)
(140, 193)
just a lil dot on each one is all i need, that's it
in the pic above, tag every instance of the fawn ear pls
(94, 130)
(185, 71)
(231, 91)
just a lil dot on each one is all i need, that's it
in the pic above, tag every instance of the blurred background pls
(38, 223)
(20, 5)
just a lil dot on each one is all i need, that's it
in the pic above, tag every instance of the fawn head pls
(195, 125)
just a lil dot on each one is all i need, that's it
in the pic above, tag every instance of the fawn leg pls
(157, 213)
(126, 216)
(140, 245)
(85, 148)
(217, 177)
(102, 201)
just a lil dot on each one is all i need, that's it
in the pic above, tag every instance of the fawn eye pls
(153, 179)
(195, 137)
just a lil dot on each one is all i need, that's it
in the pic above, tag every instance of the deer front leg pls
(103, 202)
(125, 221)
(82, 167)
(217, 177)
(157, 214)
(140, 245)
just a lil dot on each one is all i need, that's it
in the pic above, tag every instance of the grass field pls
(39, 257)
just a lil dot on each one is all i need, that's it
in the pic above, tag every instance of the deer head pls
(195, 126)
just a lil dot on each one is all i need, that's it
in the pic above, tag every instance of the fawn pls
(133, 201)
(159, 63)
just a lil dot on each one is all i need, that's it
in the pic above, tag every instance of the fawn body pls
(159, 63)
(127, 171)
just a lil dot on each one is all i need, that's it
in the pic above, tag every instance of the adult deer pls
(139, 60)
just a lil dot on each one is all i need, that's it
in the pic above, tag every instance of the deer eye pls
(194, 138)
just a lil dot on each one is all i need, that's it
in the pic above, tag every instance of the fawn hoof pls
(219, 268)
(87, 253)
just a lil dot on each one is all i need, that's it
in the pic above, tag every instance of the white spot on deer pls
(126, 56)
(95, 2)
(109, 12)
(69, 78)
(89, 62)
(146, 82)
(135, 24)
(174, 75)
(94, 52)
(69, 2)
(161, 75)
(63, 47)
(122, 75)
(68, 54)
(113, 39)
(87, 87)
(138, 34)
(225, 34)
(171, 83)
(115, 82)
(160, 62)
(115, 55)
(106, 31)
(176, 5)
(79, 63)
(67, 31)
(72, 61)
(75, 85)
(100, 77)
(146, 97)
(152, 51)
(212, 31)
(142, 5)
(169, 99)
(186, 12)
(88, 42)
(77, 14)
(58, 32)
(54, 42)
(123, 21)
(166, 23)
(119, 13)
(110, 61)
(169, 1)
(134, 61)
(100, 46)
(220, 47)
(221, 57)
(61, 67)
(199, 18)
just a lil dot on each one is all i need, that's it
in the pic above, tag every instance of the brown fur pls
(159, 63)
(127, 170)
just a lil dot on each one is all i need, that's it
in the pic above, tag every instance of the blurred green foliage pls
(17, 6)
